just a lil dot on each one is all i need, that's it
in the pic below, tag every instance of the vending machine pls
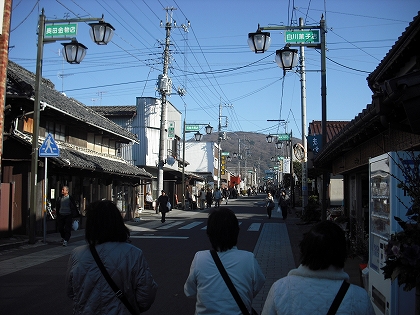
(386, 201)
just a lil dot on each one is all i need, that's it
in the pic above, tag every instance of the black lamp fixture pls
(74, 52)
(235, 155)
(269, 138)
(279, 144)
(198, 136)
(209, 129)
(259, 41)
(101, 32)
(229, 158)
(287, 58)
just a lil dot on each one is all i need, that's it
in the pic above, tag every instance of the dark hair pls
(323, 246)
(222, 229)
(104, 223)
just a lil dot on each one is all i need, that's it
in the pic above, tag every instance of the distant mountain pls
(255, 150)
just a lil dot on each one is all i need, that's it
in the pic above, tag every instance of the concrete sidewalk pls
(277, 252)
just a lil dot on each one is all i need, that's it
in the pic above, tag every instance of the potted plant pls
(403, 248)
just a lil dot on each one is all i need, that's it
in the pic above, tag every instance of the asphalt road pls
(169, 249)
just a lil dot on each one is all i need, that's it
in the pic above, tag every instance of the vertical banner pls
(315, 143)
(286, 166)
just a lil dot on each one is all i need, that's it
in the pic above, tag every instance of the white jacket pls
(304, 291)
(206, 284)
(128, 268)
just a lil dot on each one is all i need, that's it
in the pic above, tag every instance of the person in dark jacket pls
(125, 263)
(66, 209)
(162, 204)
(209, 198)
(284, 203)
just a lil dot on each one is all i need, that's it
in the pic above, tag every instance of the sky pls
(210, 58)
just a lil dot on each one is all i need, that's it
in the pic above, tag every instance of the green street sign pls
(192, 128)
(60, 30)
(283, 137)
(225, 153)
(171, 130)
(302, 37)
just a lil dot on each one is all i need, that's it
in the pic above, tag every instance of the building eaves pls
(21, 82)
(123, 110)
(72, 156)
(356, 130)
(395, 59)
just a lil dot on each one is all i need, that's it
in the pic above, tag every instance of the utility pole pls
(239, 158)
(219, 140)
(164, 87)
(304, 129)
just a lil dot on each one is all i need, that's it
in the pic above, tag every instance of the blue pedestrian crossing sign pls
(49, 147)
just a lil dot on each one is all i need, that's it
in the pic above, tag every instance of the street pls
(37, 287)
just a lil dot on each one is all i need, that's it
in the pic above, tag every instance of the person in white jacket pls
(312, 287)
(205, 283)
(125, 263)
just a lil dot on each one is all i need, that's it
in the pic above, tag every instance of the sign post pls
(171, 130)
(48, 149)
(61, 30)
(192, 128)
(303, 36)
(283, 137)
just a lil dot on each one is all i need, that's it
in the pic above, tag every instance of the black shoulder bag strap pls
(338, 298)
(229, 283)
(111, 282)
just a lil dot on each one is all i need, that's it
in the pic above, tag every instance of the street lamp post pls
(197, 136)
(260, 41)
(74, 52)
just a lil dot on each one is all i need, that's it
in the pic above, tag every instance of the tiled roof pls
(81, 158)
(122, 110)
(333, 128)
(396, 58)
(21, 82)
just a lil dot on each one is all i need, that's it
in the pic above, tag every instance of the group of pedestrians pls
(207, 197)
(283, 205)
(215, 275)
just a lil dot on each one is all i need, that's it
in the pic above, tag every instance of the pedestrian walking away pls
(209, 198)
(217, 197)
(202, 195)
(269, 204)
(163, 205)
(226, 194)
(284, 203)
(91, 293)
(313, 288)
(66, 210)
(205, 282)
